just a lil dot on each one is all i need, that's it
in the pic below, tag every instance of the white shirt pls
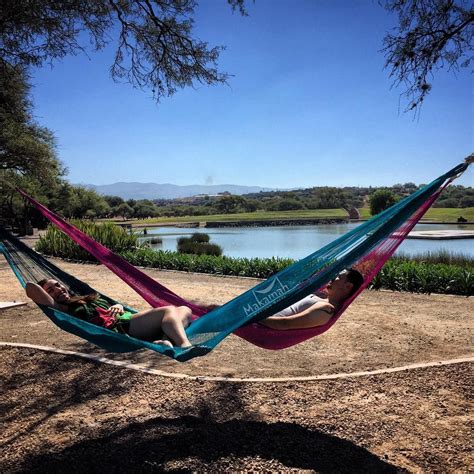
(299, 306)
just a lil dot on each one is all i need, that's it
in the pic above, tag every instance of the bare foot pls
(163, 342)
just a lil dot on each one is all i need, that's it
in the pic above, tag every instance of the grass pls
(437, 214)
(248, 216)
(449, 214)
(440, 214)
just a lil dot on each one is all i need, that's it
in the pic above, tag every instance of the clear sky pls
(309, 104)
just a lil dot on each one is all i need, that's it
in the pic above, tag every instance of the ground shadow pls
(64, 384)
(195, 443)
(208, 426)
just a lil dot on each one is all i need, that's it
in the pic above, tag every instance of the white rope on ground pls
(205, 378)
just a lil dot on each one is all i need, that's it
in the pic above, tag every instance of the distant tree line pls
(301, 199)
(311, 198)
(456, 196)
(77, 202)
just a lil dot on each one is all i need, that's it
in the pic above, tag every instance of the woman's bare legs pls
(174, 321)
(171, 320)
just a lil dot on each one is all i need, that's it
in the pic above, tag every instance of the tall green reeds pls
(397, 275)
(440, 256)
(419, 277)
(246, 267)
(56, 243)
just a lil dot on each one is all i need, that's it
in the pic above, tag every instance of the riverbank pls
(192, 223)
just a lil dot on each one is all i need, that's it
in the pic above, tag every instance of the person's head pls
(55, 289)
(345, 284)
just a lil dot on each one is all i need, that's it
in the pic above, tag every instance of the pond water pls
(298, 241)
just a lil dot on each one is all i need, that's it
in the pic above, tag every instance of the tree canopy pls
(380, 200)
(156, 47)
(25, 146)
(430, 35)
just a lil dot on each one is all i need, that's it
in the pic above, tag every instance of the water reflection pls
(298, 241)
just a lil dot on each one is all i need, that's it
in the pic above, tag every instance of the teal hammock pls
(366, 247)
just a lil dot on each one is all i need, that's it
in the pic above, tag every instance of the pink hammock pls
(368, 266)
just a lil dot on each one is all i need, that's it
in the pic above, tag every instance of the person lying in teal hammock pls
(160, 325)
(166, 325)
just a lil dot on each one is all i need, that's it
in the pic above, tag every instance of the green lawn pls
(247, 216)
(450, 214)
(439, 214)
(434, 214)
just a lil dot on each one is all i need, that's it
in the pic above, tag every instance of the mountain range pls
(169, 191)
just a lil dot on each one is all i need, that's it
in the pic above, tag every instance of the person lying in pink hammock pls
(314, 310)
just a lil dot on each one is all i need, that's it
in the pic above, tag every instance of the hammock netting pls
(366, 248)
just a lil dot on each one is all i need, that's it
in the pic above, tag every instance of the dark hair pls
(354, 277)
(74, 298)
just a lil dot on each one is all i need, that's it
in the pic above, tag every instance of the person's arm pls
(207, 307)
(39, 296)
(316, 315)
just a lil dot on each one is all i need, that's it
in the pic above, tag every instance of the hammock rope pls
(366, 247)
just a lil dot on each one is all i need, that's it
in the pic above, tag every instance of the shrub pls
(198, 244)
(200, 237)
(290, 205)
(448, 202)
(425, 278)
(397, 274)
(56, 243)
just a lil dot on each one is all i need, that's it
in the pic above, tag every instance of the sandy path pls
(380, 329)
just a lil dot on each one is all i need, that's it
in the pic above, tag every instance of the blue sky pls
(309, 104)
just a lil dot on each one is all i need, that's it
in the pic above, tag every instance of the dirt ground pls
(66, 412)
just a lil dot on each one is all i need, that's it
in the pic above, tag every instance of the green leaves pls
(56, 243)
(419, 277)
(380, 200)
(245, 267)
(198, 244)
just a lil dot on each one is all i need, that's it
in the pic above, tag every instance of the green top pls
(88, 312)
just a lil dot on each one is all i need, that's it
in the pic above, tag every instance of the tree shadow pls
(40, 387)
(194, 443)
(196, 426)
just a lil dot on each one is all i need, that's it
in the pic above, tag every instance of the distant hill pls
(169, 191)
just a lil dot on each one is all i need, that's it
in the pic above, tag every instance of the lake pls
(298, 241)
